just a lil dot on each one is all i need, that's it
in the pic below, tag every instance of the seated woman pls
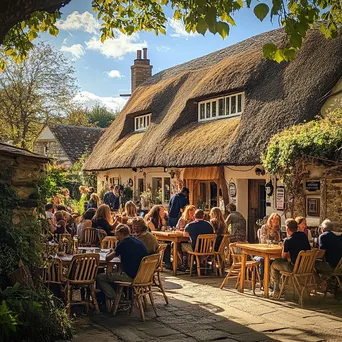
(86, 222)
(60, 223)
(188, 216)
(131, 210)
(94, 201)
(155, 218)
(219, 225)
(302, 227)
(140, 230)
(103, 219)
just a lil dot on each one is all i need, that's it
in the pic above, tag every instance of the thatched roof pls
(14, 151)
(76, 140)
(276, 97)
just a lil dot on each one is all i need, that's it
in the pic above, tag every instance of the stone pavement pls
(200, 311)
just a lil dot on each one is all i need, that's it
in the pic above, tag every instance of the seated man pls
(330, 247)
(140, 230)
(131, 251)
(195, 228)
(295, 242)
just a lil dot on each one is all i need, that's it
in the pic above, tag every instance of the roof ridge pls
(74, 126)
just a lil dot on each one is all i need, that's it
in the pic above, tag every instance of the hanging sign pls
(312, 185)
(130, 182)
(232, 189)
(280, 199)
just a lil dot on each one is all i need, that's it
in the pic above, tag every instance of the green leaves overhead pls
(261, 11)
(215, 16)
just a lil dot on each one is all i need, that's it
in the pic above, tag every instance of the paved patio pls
(200, 311)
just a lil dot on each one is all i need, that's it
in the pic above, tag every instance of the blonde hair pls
(300, 219)
(217, 219)
(95, 197)
(83, 189)
(131, 209)
(103, 212)
(186, 212)
(270, 219)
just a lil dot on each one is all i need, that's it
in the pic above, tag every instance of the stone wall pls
(334, 201)
(54, 150)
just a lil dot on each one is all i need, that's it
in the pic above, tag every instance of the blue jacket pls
(177, 202)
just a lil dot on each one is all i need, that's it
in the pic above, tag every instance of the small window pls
(141, 123)
(230, 105)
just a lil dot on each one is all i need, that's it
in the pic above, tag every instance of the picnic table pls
(175, 237)
(66, 259)
(262, 250)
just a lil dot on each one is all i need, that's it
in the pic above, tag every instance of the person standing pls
(176, 206)
(112, 198)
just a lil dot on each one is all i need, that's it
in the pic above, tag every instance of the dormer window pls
(142, 122)
(221, 107)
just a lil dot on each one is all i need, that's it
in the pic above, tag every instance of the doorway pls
(256, 206)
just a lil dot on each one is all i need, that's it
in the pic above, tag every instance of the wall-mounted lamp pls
(259, 171)
(172, 174)
(269, 188)
(140, 169)
(134, 169)
(165, 169)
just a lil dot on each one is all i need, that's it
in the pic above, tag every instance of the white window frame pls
(163, 176)
(142, 122)
(209, 104)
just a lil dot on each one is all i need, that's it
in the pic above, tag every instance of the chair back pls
(109, 242)
(305, 262)
(53, 272)
(161, 251)
(224, 243)
(83, 268)
(146, 270)
(236, 253)
(90, 237)
(205, 243)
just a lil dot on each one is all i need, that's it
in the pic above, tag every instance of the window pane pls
(233, 99)
(213, 109)
(202, 111)
(148, 120)
(144, 124)
(167, 187)
(227, 105)
(239, 103)
(157, 190)
(208, 110)
(136, 124)
(221, 107)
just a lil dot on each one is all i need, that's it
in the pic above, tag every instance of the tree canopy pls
(24, 19)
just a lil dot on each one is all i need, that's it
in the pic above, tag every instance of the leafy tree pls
(100, 116)
(77, 116)
(21, 24)
(34, 92)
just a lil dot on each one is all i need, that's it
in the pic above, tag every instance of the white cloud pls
(117, 47)
(179, 29)
(90, 99)
(114, 74)
(163, 48)
(76, 50)
(76, 21)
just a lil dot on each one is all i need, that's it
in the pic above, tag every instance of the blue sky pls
(103, 70)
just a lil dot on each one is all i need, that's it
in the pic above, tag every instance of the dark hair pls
(185, 190)
(291, 224)
(231, 207)
(199, 214)
(61, 207)
(89, 214)
(48, 206)
(112, 187)
(59, 216)
(91, 189)
(123, 229)
(139, 221)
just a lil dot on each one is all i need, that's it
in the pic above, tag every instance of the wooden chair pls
(205, 247)
(82, 274)
(141, 285)
(302, 274)
(235, 269)
(109, 242)
(90, 238)
(53, 275)
(156, 276)
(222, 253)
(335, 276)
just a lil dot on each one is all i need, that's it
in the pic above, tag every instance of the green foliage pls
(320, 139)
(8, 322)
(215, 16)
(100, 116)
(34, 313)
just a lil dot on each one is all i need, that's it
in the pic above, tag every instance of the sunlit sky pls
(103, 70)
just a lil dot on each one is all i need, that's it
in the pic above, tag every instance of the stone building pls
(65, 143)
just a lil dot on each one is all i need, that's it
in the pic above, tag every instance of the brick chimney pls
(141, 70)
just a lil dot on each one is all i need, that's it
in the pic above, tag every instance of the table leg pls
(266, 274)
(109, 267)
(243, 272)
(174, 261)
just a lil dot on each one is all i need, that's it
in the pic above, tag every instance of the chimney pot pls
(138, 54)
(145, 53)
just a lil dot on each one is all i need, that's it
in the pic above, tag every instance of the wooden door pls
(256, 206)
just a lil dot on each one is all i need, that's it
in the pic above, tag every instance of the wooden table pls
(262, 250)
(66, 259)
(175, 237)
